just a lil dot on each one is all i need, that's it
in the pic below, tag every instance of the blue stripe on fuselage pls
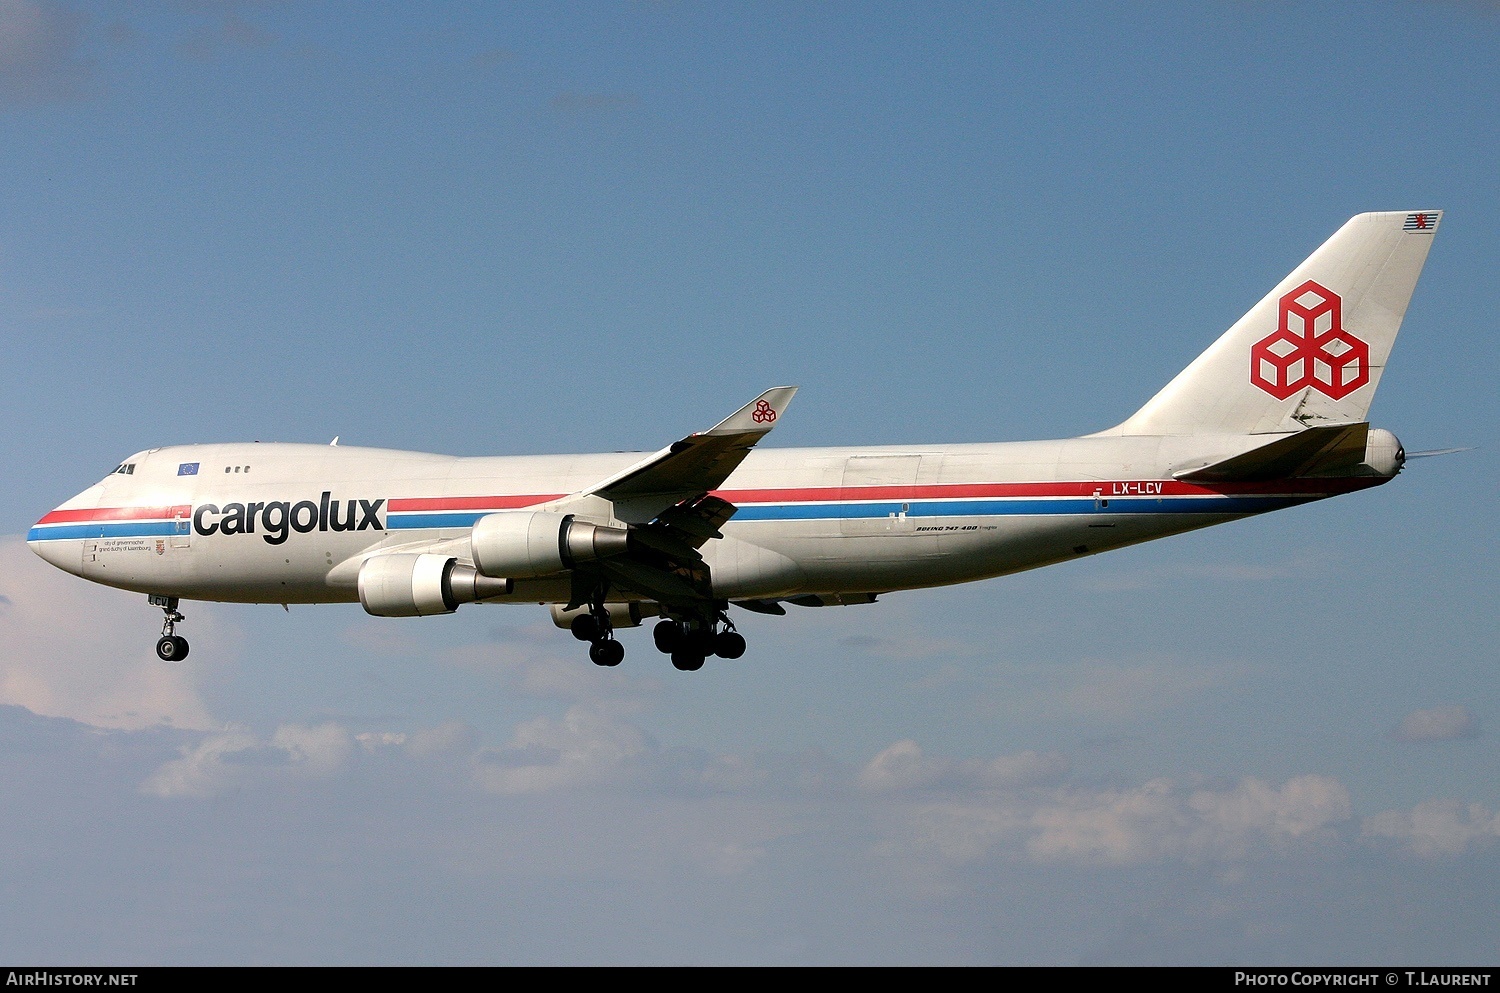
(407, 522)
(97, 530)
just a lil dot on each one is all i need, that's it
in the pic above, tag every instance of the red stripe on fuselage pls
(116, 514)
(470, 503)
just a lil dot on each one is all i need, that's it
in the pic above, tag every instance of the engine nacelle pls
(401, 585)
(524, 544)
(621, 615)
(1383, 452)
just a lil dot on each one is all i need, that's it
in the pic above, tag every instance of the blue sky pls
(494, 229)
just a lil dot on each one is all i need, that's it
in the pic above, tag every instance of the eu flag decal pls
(187, 469)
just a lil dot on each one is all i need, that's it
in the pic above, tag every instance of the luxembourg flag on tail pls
(1425, 221)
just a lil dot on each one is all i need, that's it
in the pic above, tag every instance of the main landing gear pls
(171, 647)
(691, 642)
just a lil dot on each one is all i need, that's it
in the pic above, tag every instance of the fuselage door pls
(182, 528)
(876, 495)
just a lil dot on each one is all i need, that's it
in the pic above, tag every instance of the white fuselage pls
(1272, 414)
(286, 523)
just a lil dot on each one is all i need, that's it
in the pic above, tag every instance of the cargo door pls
(182, 528)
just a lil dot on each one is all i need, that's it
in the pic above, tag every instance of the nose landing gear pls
(172, 647)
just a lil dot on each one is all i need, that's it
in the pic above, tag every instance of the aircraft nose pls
(45, 538)
(58, 537)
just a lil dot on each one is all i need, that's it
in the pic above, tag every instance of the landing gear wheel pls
(729, 645)
(687, 659)
(585, 627)
(171, 647)
(607, 653)
(667, 635)
(699, 642)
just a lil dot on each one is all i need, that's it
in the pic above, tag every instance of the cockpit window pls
(124, 469)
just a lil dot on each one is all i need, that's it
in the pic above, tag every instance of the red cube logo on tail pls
(1310, 348)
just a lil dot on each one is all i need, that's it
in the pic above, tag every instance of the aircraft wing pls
(665, 501)
(688, 469)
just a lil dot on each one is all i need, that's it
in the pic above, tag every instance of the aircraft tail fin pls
(1311, 352)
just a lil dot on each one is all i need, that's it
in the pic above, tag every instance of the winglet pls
(758, 416)
(693, 466)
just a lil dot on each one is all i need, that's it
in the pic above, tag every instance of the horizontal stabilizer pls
(1330, 449)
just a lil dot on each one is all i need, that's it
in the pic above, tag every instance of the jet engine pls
(524, 544)
(419, 585)
(1383, 452)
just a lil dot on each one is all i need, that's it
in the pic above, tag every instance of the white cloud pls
(1437, 724)
(237, 759)
(317, 752)
(584, 748)
(1155, 821)
(1435, 827)
(1120, 826)
(373, 741)
(903, 766)
(1300, 807)
(73, 649)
